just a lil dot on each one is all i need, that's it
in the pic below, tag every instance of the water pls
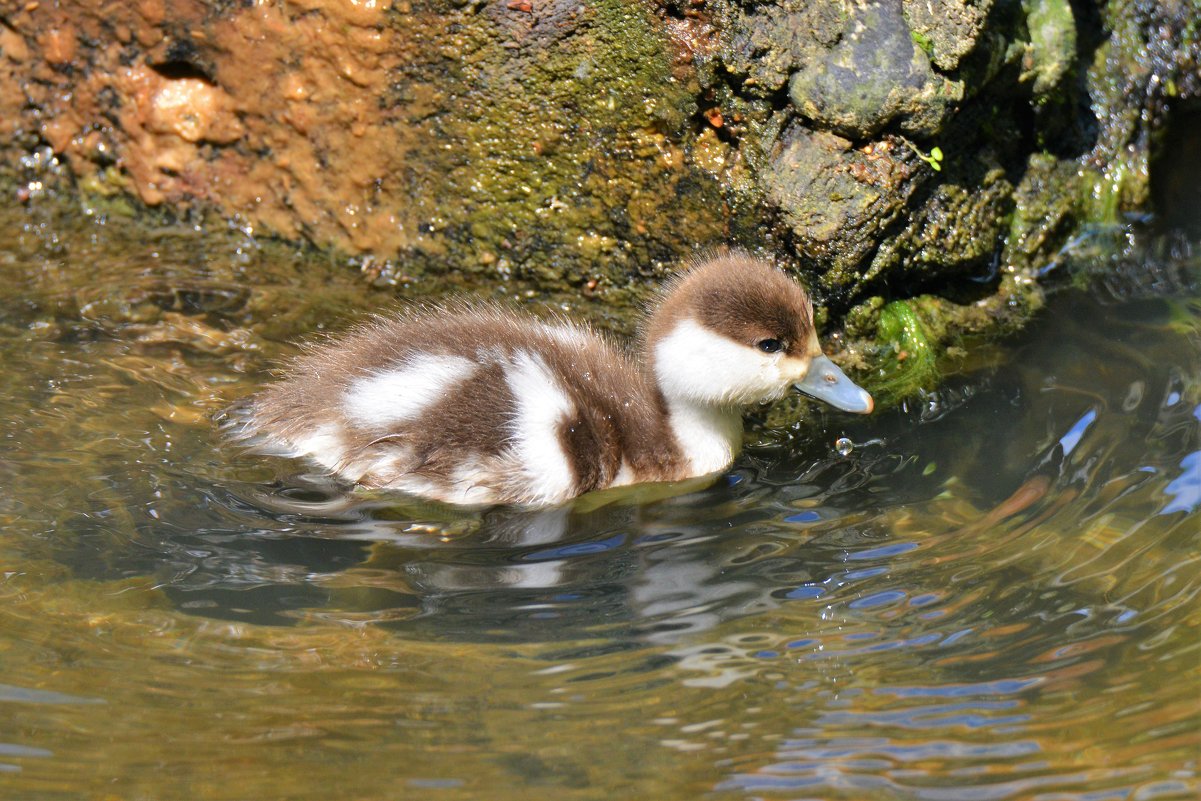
(992, 594)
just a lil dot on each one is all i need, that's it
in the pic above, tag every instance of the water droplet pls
(844, 446)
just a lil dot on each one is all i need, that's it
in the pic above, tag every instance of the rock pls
(836, 199)
(885, 149)
(946, 31)
(498, 128)
(875, 76)
(1052, 50)
(955, 231)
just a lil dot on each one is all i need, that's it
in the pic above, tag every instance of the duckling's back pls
(472, 404)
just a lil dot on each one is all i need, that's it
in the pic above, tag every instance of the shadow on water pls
(953, 609)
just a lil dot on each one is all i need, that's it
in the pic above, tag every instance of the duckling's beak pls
(826, 382)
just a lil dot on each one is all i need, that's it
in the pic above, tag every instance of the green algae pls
(1046, 207)
(924, 42)
(904, 327)
(567, 164)
(899, 348)
(1150, 60)
(1052, 30)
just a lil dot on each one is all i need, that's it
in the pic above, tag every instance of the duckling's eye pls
(770, 345)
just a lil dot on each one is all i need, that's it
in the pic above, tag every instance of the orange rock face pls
(271, 113)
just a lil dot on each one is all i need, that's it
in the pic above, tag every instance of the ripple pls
(994, 595)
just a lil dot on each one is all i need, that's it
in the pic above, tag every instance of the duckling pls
(474, 404)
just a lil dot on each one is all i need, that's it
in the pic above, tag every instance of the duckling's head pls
(734, 331)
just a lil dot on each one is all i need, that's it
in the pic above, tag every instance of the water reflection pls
(656, 570)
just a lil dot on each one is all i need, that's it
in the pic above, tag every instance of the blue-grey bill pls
(828, 383)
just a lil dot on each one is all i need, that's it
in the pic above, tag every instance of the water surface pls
(993, 596)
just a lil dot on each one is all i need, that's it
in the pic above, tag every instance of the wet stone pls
(877, 75)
